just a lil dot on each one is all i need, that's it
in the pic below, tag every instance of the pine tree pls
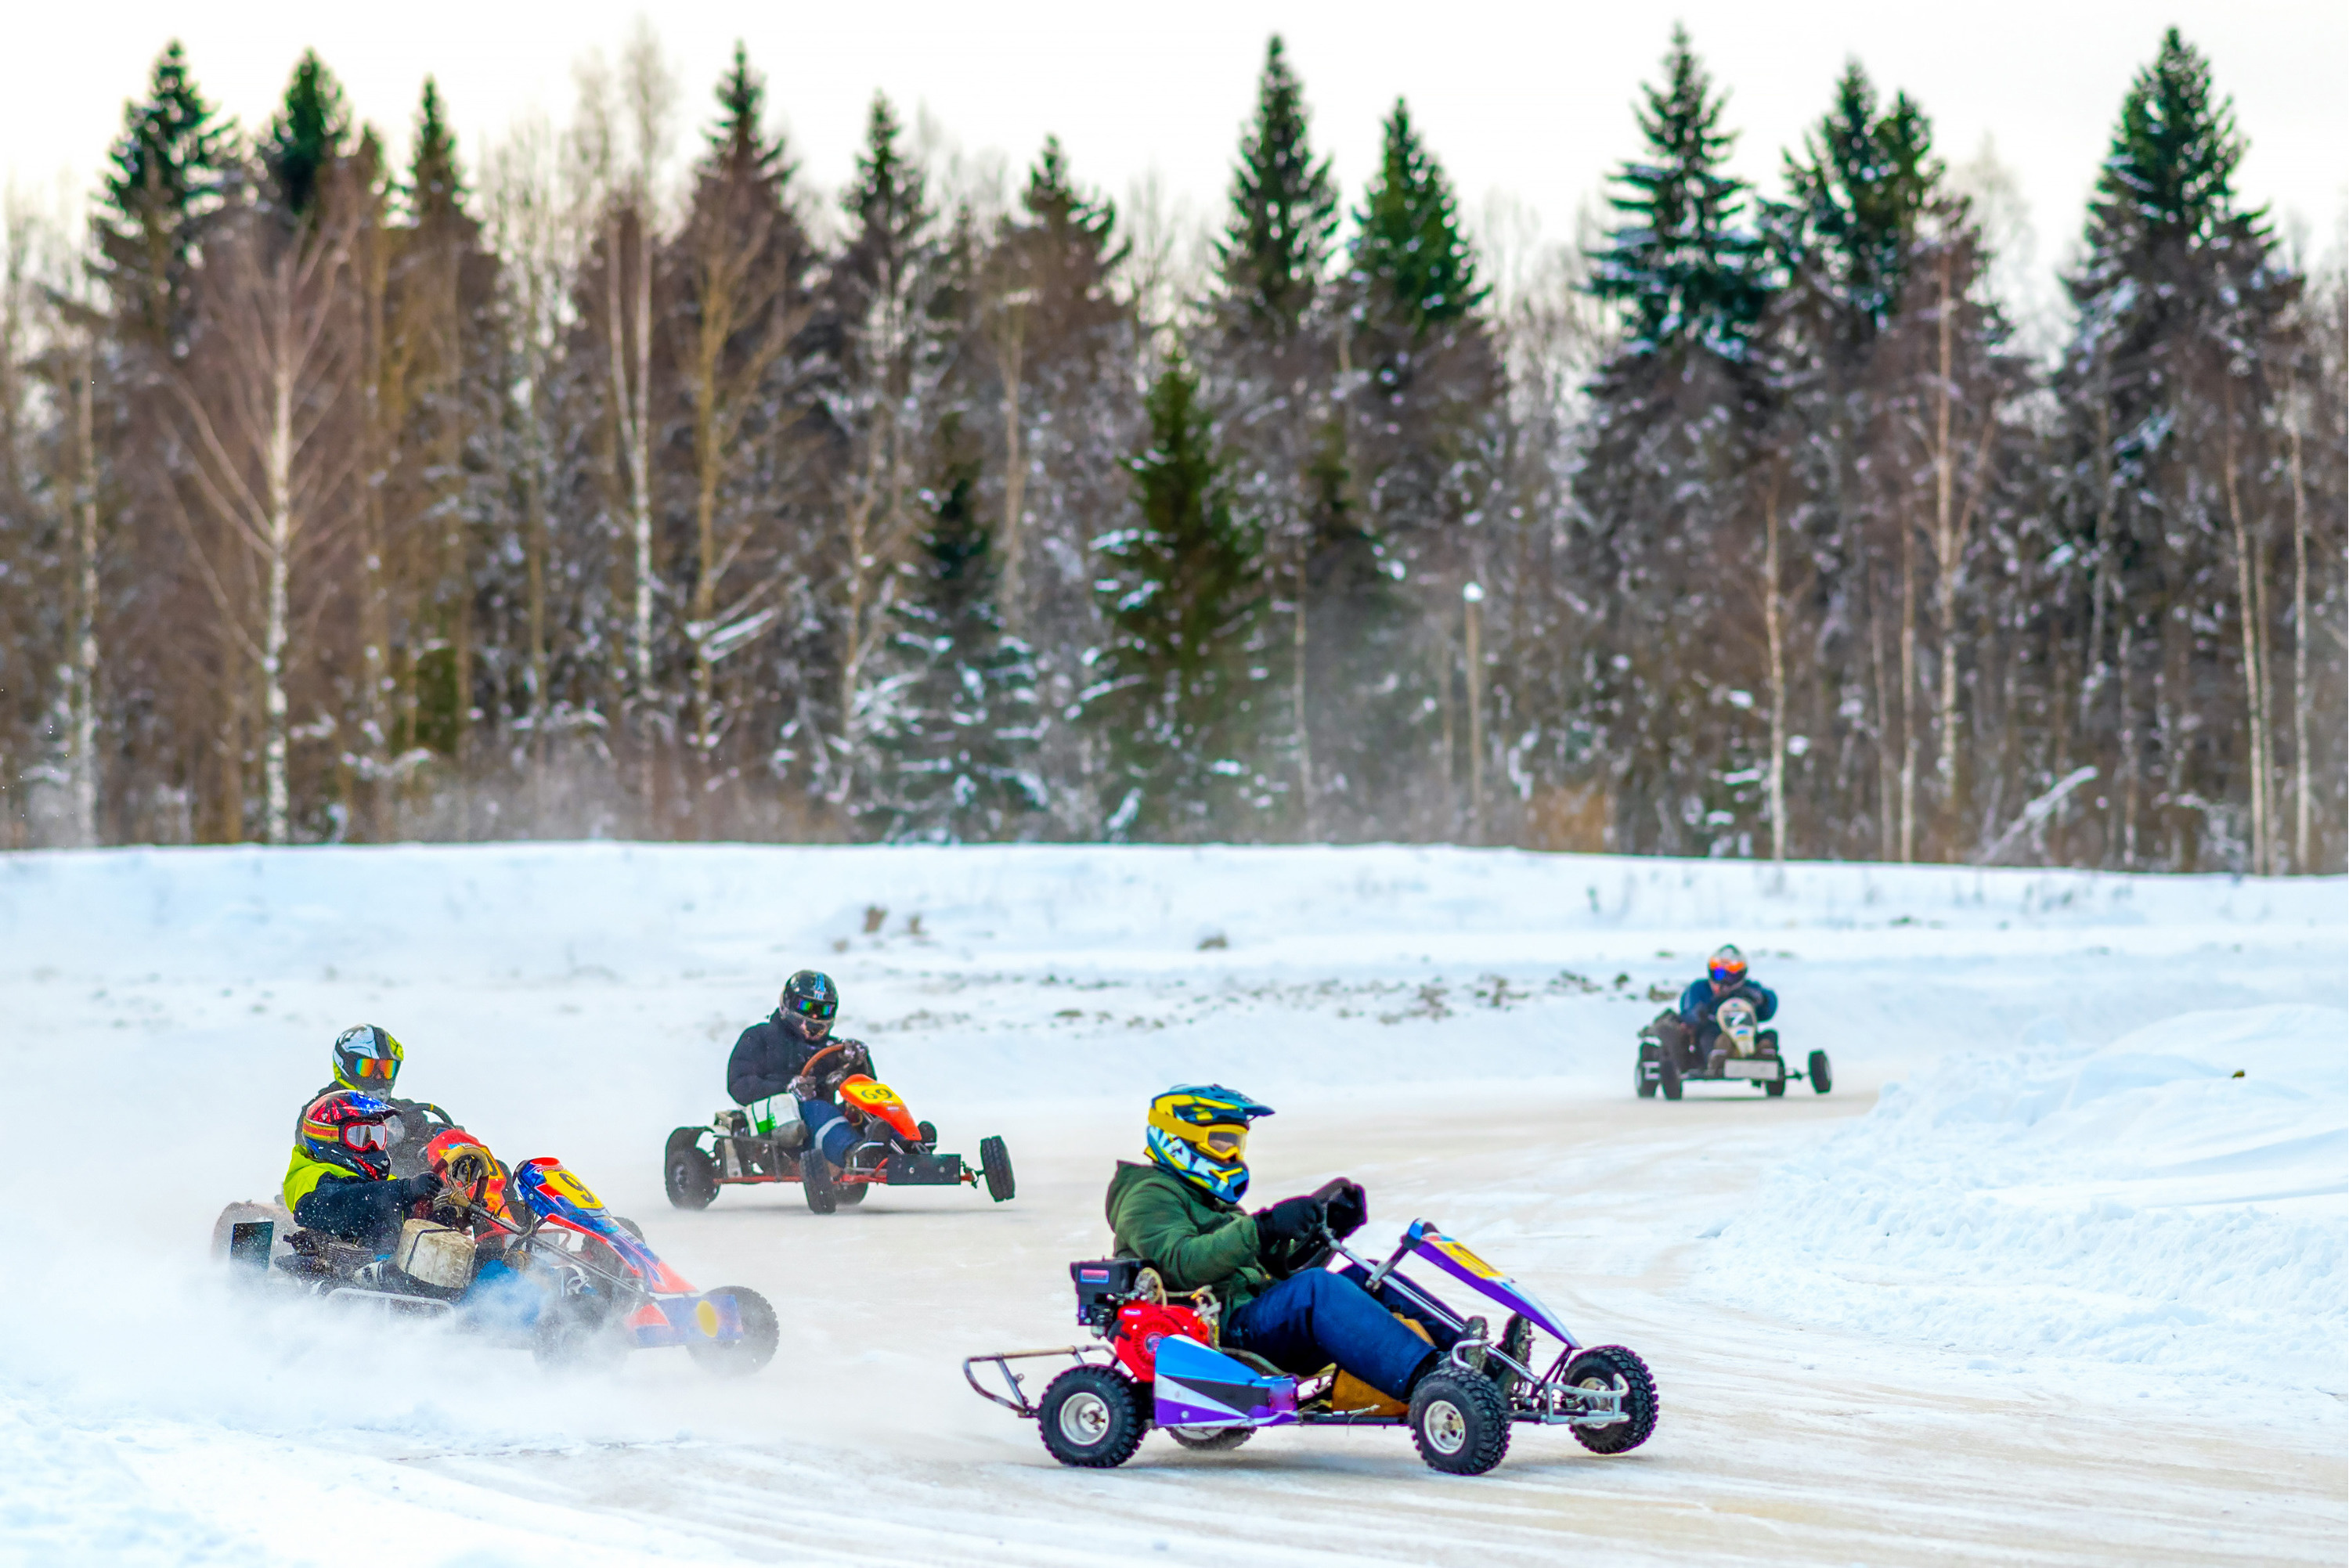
(1681, 270)
(2182, 306)
(1409, 248)
(1857, 196)
(958, 725)
(435, 189)
(1276, 241)
(170, 165)
(306, 136)
(1179, 686)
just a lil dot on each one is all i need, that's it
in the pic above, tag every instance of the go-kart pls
(1159, 1365)
(767, 1141)
(526, 1256)
(1744, 1053)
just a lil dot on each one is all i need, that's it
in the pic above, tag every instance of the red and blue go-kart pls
(530, 1256)
(1160, 1367)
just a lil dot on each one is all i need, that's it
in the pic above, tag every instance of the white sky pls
(1530, 101)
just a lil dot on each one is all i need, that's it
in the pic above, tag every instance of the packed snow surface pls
(2173, 1199)
(2037, 1197)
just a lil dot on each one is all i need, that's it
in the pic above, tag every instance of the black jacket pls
(770, 1054)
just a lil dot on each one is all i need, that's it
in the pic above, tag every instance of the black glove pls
(1346, 1205)
(1291, 1220)
(419, 1188)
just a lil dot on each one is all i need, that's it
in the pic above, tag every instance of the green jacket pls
(1192, 1237)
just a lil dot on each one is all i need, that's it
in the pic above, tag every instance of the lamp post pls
(1472, 596)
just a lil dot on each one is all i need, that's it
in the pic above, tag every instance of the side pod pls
(1197, 1386)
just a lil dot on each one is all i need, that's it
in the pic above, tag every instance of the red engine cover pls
(1141, 1324)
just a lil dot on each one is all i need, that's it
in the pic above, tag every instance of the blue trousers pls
(1310, 1320)
(828, 1130)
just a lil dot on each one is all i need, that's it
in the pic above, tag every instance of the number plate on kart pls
(1767, 1068)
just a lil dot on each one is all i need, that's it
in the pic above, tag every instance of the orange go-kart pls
(767, 1141)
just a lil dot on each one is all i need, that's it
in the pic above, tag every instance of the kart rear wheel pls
(1822, 1075)
(689, 1173)
(816, 1183)
(1642, 1079)
(1091, 1417)
(995, 1162)
(575, 1336)
(1460, 1423)
(1613, 1367)
(740, 1358)
(1668, 1075)
(1211, 1440)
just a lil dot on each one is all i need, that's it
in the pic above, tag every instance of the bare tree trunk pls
(1774, 632)
(1010, 352)
(2253, 682)
(1297, 710)
(1907, 689)
(277, 480)
(1887, 787)
(85, 643)
(2300, 860)
(2131, 761)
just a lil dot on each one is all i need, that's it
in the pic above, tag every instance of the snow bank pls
(2140, 1203)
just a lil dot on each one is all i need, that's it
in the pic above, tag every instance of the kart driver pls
(339, 1179)
(773, 1055)
(366, 1061)
(1181, 1214)
(1724, 977)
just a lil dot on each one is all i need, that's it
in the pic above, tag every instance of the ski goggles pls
(1226, 1142)
(375, 1135)
(384, 1067)
(1726, 973)
(820, 1010)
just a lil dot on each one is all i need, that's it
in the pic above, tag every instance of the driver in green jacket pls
(1181, 1214)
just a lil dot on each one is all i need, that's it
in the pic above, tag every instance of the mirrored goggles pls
(810, 1008)
(1724, 975)
(384, 1067)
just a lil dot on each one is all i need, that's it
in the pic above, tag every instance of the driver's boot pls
(1716, 1062)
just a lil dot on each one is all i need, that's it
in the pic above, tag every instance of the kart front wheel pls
(689, 1173)
(1776, 1087)
(816, 1182)
(1613, 1367)
(1668, 1073)
(740, 1358)
(1091, 1417)
(995, 1163)
(1822, 1075)
(1641, 1079)
(1459, 1423)
(1211, 1440)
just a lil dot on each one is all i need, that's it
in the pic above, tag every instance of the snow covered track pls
(2073, 1293)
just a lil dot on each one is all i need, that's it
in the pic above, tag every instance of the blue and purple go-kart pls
(528, 1256)
(1159, 1366)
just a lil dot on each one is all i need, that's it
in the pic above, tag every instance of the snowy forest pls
(525, 491)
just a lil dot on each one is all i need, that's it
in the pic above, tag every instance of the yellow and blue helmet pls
(1199, 1132)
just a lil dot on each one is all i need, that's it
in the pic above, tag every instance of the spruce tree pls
(1856, 195)
(1681, 268)
(306, 136)
(957, 731)
(1284, 209)
(435, 189)
(169, 167)
(1410, 249)
(1179, 686)
(2169, 389)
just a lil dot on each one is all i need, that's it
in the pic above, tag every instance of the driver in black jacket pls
(774, 1054)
